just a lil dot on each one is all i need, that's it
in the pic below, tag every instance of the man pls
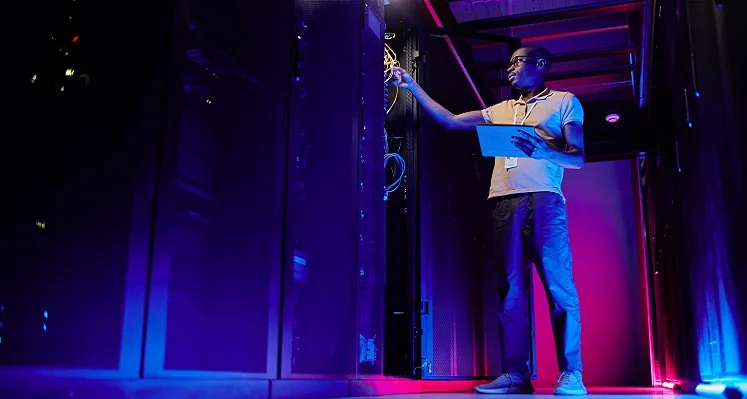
(529, 215)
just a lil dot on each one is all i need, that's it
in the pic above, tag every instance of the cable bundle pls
(390, 58)
(398, 170)
(390, 62)
(398, 166)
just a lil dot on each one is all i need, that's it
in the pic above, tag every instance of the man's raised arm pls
(444, 117)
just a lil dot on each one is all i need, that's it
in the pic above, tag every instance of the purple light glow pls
(612, 118)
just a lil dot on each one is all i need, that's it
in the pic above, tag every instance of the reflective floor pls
(594, 393)
(540, 394)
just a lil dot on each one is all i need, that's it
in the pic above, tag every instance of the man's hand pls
(535, 147)
(402, 79)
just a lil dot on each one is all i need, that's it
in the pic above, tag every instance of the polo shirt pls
(548, 112)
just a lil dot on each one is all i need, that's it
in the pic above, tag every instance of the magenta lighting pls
(612, 118)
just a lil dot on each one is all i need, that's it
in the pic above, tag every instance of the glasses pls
(519, 60)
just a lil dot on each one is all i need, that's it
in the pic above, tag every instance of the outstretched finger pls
(525, 135)
(522, 141)
(523, 146)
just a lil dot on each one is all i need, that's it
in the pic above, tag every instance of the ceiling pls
(600, 53)
(598, 45)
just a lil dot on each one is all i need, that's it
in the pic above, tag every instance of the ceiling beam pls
(580, 73)
(572, 56)
(461, 50)
(585, 10)
(488, 37)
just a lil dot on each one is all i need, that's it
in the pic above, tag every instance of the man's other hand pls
(535, 147)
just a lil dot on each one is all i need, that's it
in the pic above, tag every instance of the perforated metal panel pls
(320, 331)
(218, 235)
(372, 226)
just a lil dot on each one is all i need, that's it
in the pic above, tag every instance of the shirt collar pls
(542, 96)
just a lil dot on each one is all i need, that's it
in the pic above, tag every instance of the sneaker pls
(570, 383)
(507, 383)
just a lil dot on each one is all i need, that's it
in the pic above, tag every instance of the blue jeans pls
(534, 227)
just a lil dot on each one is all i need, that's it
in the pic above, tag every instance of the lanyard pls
(527, 108)
(512, 162)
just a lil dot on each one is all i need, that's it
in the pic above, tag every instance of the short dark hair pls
(540, 52)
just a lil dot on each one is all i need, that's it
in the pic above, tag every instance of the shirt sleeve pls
(571, 110)
(488, 113)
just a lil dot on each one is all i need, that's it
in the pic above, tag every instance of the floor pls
(594, 393)
(536, 395)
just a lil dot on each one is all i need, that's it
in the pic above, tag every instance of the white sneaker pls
(570, 383)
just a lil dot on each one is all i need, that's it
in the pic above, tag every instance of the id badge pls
(511, 162)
